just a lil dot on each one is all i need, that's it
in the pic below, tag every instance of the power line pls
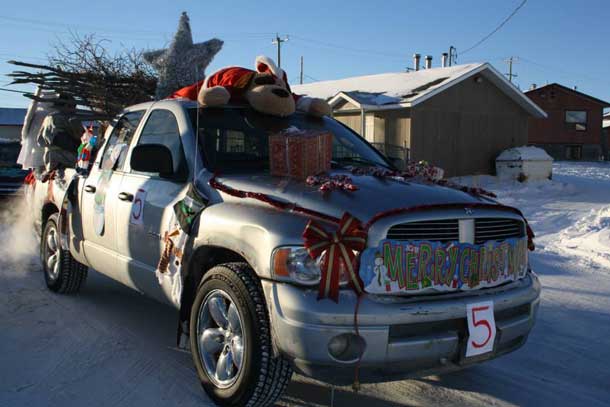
(153, 34)
(482, 40)
(342, 47)
(312, 78)
(563, 72)
(61, 28)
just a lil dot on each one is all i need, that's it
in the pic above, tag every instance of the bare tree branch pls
(84, 69)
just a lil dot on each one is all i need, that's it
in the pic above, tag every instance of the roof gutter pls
(375, 108)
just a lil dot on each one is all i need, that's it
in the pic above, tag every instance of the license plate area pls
(480, 342)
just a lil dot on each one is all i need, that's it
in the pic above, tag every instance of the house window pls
(573, 152)
(576, 120)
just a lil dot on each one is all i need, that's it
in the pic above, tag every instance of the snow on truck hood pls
(373, 196)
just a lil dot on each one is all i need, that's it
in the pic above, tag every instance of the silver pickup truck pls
(249, 291)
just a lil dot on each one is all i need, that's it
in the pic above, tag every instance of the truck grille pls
(448, 230)
(497, 229)
(444, 230)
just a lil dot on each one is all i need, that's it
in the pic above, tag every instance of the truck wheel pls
(230, 339)
(62, 273)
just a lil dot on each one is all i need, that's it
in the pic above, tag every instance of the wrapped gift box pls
(300, 153)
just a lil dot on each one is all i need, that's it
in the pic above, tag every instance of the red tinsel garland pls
(419, 172)
(214, 183)
(331, 182)
(276, 203)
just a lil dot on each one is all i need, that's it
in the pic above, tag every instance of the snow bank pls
(591, 235)
(569, 214)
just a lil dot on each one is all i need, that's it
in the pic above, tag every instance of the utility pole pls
(510, 73)
(301, 81)
(278, 41)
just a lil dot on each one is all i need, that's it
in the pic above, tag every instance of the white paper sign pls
(481, 328)
(137, 208)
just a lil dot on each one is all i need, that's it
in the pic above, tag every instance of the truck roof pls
(165, 102)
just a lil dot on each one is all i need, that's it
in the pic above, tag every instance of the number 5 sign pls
(481, 328)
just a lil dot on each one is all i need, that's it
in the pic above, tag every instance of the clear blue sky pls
(555, 40)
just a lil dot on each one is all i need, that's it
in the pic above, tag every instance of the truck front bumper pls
(403, 337)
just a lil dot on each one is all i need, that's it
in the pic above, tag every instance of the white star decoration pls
(183, 63)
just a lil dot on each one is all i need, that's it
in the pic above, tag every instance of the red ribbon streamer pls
(214, 183)
(337, 250)
(276, 203)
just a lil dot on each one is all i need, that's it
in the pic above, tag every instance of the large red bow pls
(337, 251)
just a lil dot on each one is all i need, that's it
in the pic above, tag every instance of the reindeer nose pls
(280, 92)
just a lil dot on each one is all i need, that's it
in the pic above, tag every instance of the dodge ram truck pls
(248, 296)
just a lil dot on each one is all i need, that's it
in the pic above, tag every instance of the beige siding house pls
(458, 118)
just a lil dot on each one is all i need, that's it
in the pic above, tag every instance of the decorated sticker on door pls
(137, 208)
(397, 267)
(109, 161)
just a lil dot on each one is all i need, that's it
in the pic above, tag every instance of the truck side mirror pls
(154, 158)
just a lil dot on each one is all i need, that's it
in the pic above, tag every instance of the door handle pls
(126, 196)
(89, 188)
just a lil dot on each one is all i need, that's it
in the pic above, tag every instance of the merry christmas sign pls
(399, 267)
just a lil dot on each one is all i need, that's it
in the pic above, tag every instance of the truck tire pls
(62, 273)
(230, 338)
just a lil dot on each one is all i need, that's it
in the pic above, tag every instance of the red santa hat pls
(264, 64)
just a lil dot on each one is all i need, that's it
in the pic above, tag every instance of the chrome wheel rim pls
(220, 338)
(51, 253)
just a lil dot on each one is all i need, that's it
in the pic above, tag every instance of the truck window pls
(236, 140)
(120, 138)
(162, 128)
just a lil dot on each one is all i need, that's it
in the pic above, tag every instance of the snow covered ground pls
(110, 346)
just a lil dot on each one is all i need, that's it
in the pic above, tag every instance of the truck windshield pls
(235, 140)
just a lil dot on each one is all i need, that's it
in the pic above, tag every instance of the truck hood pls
(374, 195)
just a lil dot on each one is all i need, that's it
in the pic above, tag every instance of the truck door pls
(101, 194)
(142, 221)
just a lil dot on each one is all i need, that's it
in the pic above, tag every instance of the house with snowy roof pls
(457, 117)
(11, 122)
(573, 130)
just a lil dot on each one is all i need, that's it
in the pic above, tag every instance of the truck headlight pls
(293, 263)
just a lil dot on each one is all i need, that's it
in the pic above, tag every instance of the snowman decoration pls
(381, 271)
